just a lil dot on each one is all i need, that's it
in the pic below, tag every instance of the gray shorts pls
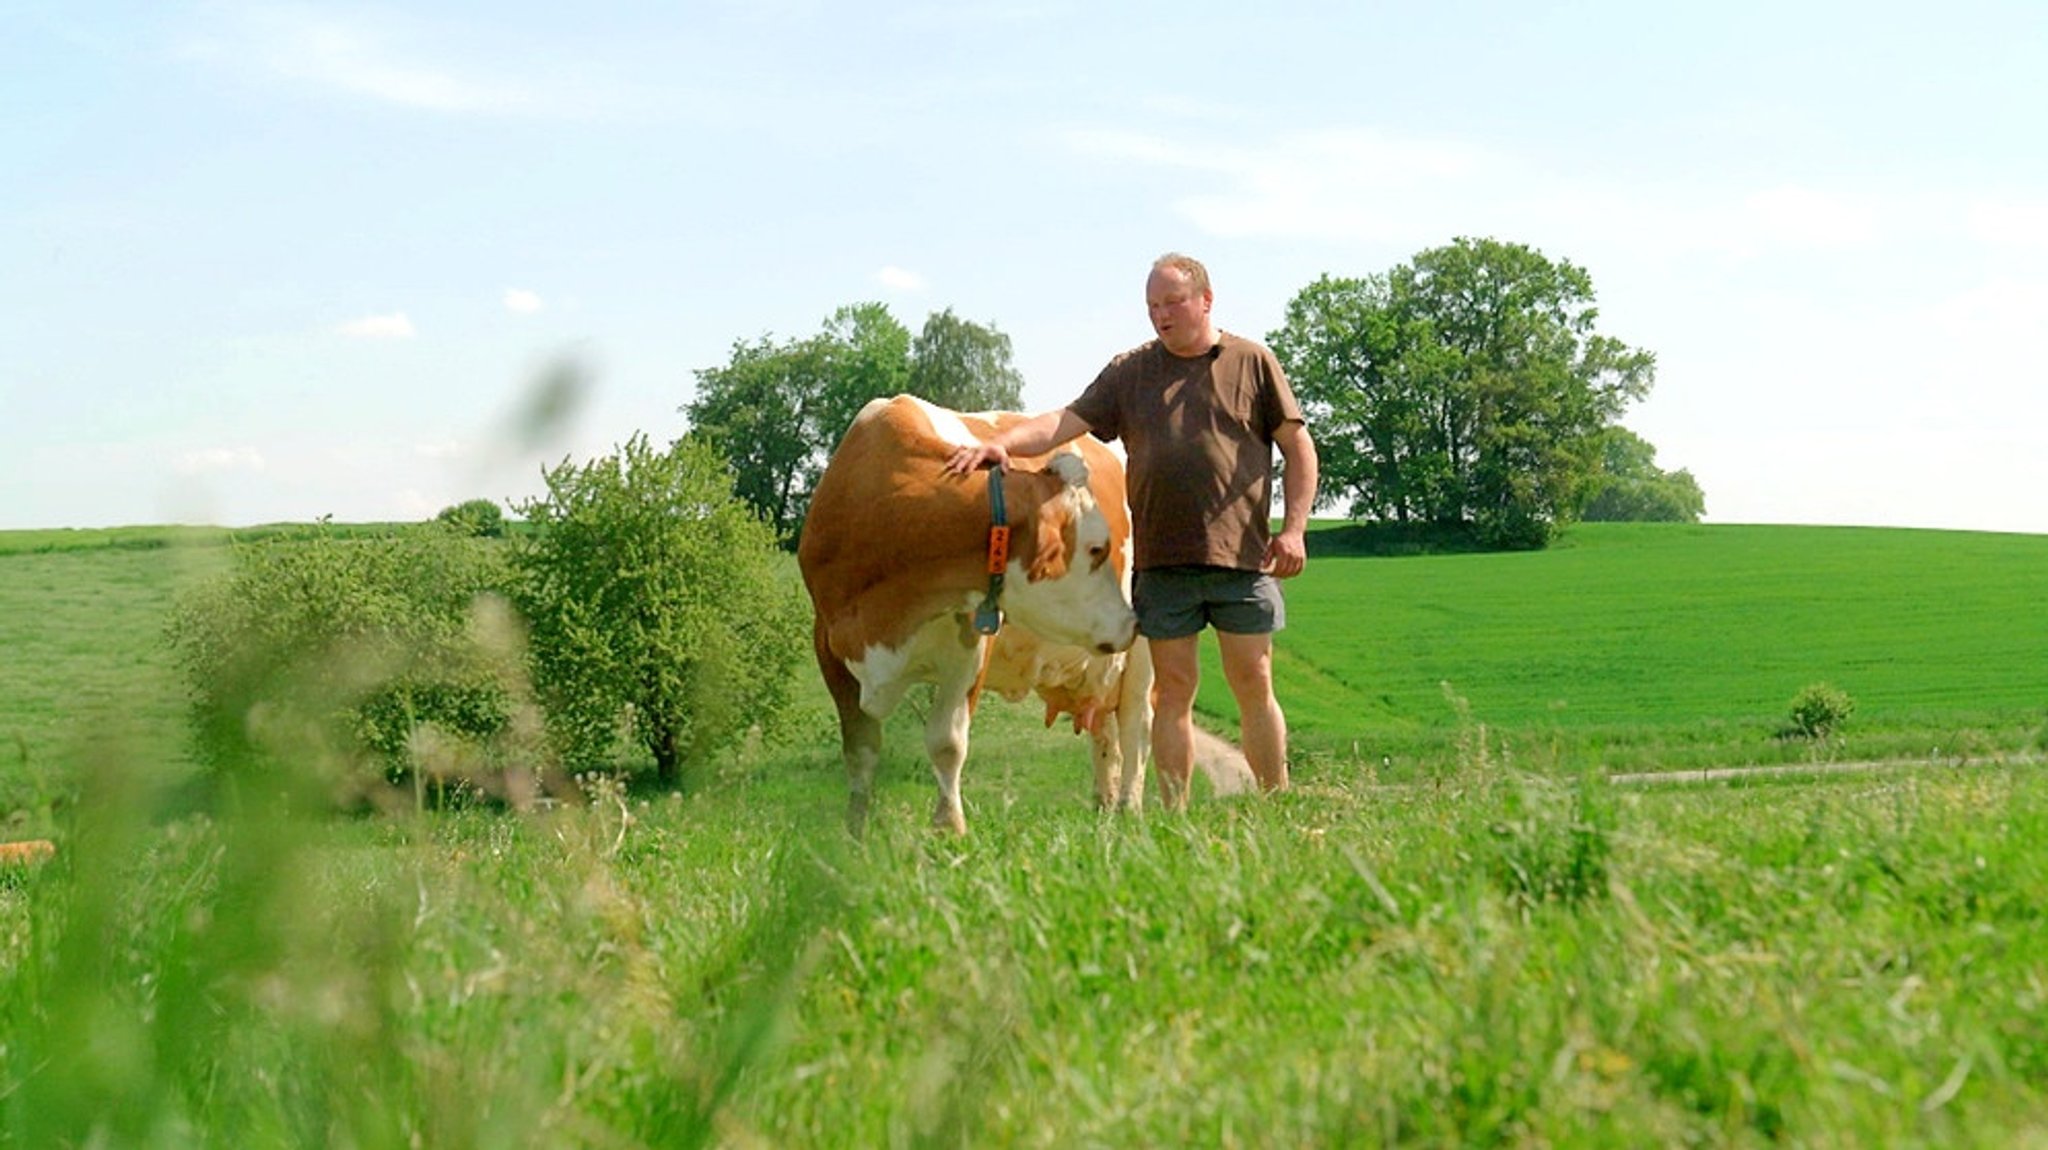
(1175, 602)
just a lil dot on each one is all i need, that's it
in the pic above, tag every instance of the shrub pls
(321, 657)
(479, 517)
(1820, 710)
(662, 612)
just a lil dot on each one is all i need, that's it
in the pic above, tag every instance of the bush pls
(320, 658)
(478, 517)
(663, 614)
(1819, 711)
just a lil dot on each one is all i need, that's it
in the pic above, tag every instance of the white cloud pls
(1793, 216)
(2004, 311)
(899, 279)
(2010, 222)
(442, 450)
(1368, 186)
(393, 326)
(519, 301)
(413, 504)
(352, 56)
(1344, 183)
(214, 460)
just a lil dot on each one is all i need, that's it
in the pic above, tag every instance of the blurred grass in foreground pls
(1492, 959)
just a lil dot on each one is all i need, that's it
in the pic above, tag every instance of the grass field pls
(1484, 944)
(1655, 646)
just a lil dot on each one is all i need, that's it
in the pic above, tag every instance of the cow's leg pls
(1134, 725)
(860, 742)
(945, 736)
(1107, 753)
(860, 739)
(1177, 669)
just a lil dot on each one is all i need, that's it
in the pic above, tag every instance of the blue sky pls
(270, 261)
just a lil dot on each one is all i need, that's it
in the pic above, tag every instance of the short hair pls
(1189, 266)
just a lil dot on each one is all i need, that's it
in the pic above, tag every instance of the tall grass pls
(1502, 949)
(1840, 963)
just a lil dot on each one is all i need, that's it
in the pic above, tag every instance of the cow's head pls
(1068, 584)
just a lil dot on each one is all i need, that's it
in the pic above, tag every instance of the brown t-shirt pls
(1199, 435)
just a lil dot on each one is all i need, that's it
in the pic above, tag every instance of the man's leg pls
(1248, 667)
(1176, 669)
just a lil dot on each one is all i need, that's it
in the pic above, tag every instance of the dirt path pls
(1229, 774)
(1737, 774)
(1223, 763)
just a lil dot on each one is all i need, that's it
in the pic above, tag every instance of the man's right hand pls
(973, 457)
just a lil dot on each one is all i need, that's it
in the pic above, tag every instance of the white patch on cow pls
(946, 425)
(950, 427)
(932, 654)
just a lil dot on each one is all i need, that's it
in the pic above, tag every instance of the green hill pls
(1646, 645)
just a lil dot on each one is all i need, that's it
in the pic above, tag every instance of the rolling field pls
(1648, 646)
(1630, 647)
(1439, 937)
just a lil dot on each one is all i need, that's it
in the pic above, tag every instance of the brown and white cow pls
(895, 556)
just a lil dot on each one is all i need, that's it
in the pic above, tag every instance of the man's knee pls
(1171, 706)
(1248, 665)
(1176, 673)
(1255, 682)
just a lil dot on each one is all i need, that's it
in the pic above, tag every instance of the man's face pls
(1180, 314)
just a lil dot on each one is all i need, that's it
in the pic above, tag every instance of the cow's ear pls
(1050, 559)
(1070, 467)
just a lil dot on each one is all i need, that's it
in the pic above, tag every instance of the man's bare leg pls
(1176, 670)
(1248, 667)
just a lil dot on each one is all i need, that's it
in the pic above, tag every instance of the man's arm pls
(1287, 554)
(1035, 436)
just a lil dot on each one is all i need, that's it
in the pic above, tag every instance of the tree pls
(658, 607)
(867, 354)
(776, 411)
(1467, 388)
(960, 364)
(479, 517)
(1630, 488)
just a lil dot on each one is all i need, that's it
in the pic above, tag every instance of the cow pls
(906, 580)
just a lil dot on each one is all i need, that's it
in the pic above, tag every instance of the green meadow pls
(1454, 930)
(1642, 647)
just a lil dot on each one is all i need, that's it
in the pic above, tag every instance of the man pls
(1200, 411)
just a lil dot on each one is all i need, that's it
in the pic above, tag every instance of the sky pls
(268, 262)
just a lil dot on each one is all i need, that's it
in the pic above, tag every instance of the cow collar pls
(988, 618)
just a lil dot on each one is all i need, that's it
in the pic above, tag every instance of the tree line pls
(1467, 391)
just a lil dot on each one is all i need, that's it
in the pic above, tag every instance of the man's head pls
(1178, 298)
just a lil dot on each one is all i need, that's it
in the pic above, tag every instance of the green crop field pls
(1654, 646)
(1454, 931)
